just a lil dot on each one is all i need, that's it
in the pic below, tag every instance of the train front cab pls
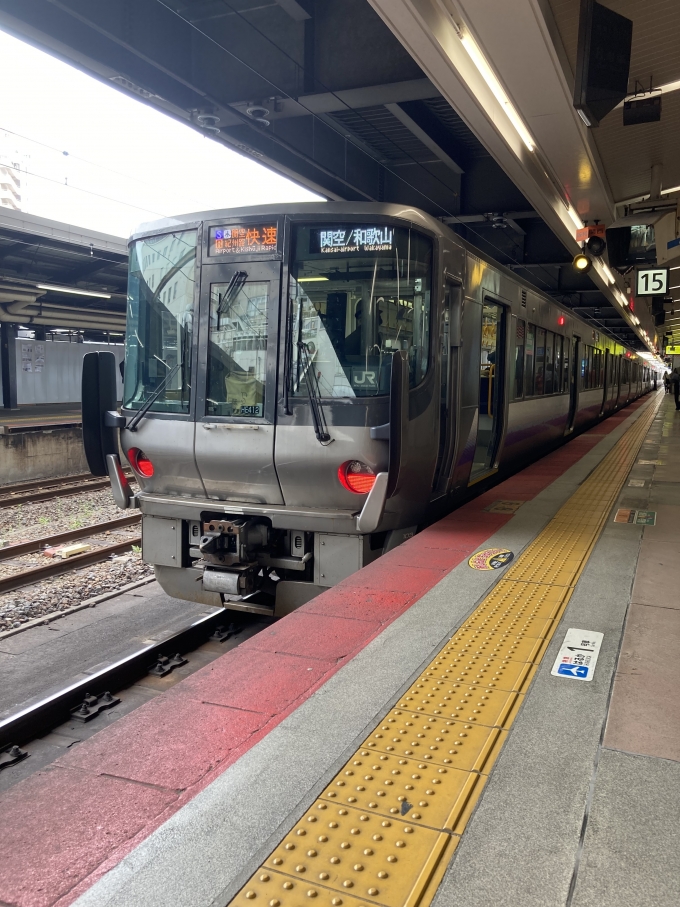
(293, 364)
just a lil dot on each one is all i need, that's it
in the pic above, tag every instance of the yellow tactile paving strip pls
(383, 831)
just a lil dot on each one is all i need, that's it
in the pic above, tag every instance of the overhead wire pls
(79, 189)
(71, 156)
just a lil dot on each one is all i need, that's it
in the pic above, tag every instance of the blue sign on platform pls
(573, 670)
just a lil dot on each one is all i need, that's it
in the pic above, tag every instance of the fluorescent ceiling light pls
(49, 286)
(575, 217)
(672, 189)
(310, 279)
(497, 90)
(607, 273)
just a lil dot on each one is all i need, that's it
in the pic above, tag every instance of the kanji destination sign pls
(351, 238)
(237, 240)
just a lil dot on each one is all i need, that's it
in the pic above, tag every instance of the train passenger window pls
(549, 350)
(583, 371)
(520, 332)
(539, 367)
(529, 361)
(492, 370)
(557, 388)
(358, 293)
(160, 318)
(237, 349)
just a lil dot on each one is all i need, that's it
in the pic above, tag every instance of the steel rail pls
(60, 491)
(49, 541)
(36, 574)
(41, 717)
(16, 487)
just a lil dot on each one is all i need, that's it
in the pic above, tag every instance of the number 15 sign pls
(652, 282)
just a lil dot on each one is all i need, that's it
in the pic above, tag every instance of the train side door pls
(573, 383)
(491, 389)
(236, 406)
(448, 385)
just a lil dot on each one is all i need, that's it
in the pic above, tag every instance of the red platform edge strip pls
(69, 824)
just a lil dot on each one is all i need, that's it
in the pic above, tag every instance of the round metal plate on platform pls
(490, 559)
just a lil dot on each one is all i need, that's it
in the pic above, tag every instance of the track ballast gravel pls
(27, 522)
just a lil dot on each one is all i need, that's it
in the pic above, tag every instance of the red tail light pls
(140, 462)
(356, 476)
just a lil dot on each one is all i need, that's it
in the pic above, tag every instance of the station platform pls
(41, 441)
(32, 417)
(402, 739)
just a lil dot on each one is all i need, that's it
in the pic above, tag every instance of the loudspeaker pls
(644, 110)
(602, 62)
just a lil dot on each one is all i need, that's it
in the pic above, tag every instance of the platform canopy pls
(397, 100)
(55, 276)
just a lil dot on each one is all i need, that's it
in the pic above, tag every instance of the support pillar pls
(8, 365)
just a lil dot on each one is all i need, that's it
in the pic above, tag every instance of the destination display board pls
(344, 239)
(234, 239)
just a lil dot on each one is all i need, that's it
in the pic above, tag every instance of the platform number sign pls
(652, 282)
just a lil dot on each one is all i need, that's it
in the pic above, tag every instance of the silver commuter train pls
(306, 385)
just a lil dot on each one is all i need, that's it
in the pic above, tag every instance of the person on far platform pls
(675, 384)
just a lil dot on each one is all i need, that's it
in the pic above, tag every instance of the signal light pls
(140, 462)
(356, 477)
(561, 320)
(582, 263)
(596, 245)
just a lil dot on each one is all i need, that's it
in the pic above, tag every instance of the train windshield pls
(358, 294)
(160, 322)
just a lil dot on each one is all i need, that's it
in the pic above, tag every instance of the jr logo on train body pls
(364, 378)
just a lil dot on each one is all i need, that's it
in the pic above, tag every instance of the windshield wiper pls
(320, 427)
(139, 415)
(234, 287)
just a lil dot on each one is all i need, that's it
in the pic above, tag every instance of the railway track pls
(59, 566)
(46, 489)
(97, 692)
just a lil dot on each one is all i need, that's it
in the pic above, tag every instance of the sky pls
(126, 162)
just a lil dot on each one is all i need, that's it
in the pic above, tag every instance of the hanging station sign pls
(652, 282)
(344, 239)
(243, 240)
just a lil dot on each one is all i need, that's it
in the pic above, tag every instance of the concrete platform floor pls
(183, 799)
